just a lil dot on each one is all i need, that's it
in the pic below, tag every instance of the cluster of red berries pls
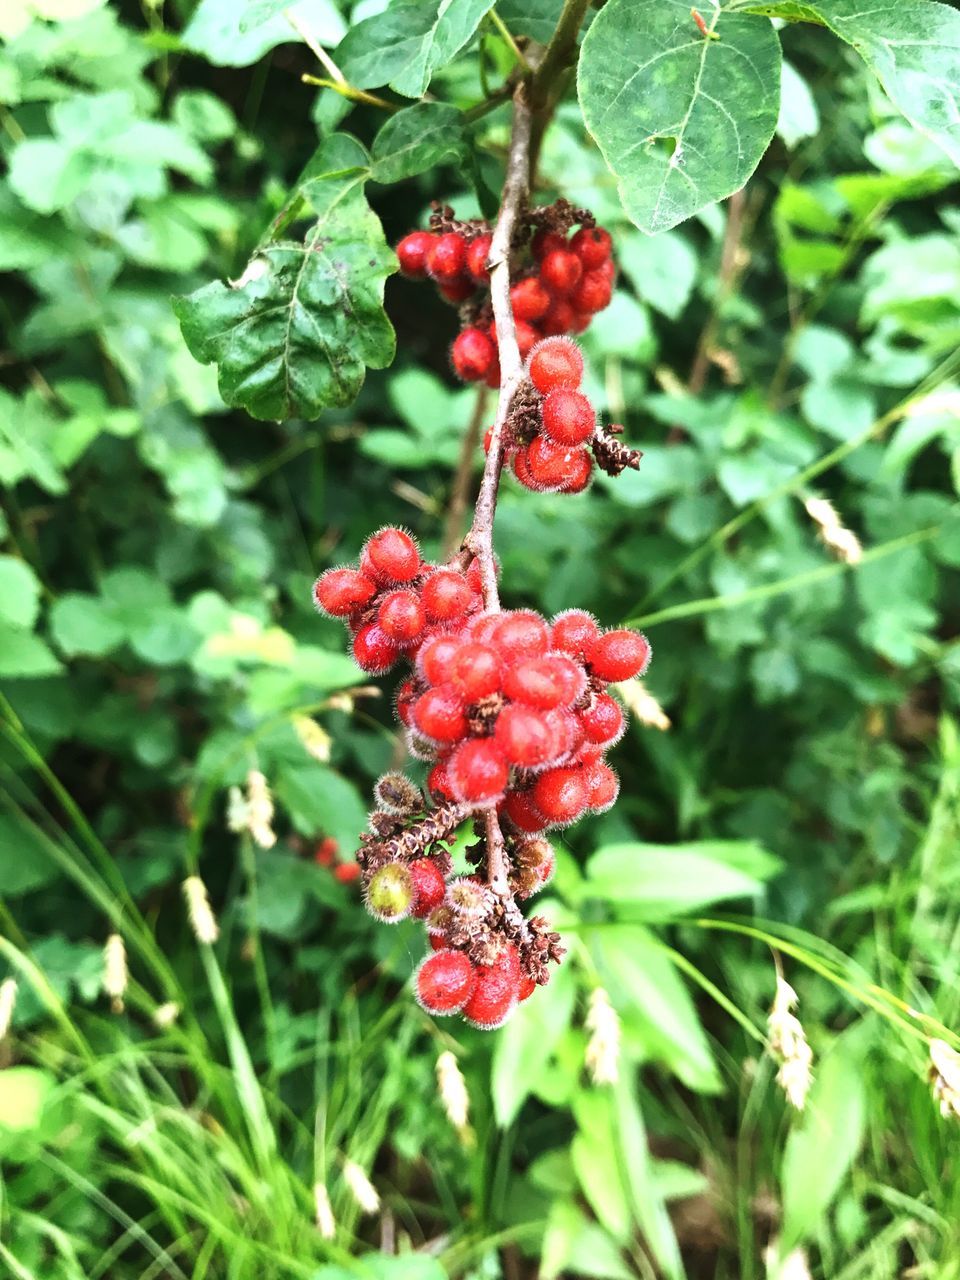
(327, 855)
(394, 601)
(484, 994)
(567, 282)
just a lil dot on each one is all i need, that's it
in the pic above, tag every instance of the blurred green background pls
(157, 642)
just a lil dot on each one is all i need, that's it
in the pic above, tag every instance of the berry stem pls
(480, 538)
(462, 482)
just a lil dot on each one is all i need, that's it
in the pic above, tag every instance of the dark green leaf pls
(681, 120)
(416, 139)
(294, 334)
(535, 18)
(406, 44)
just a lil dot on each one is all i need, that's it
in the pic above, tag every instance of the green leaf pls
(535, 18)
(320, 801)
(294, 334)
(662, 270)
(234, 33)
(527, 1043)
(798, 118)
(24, 1092)
(912, 48)
(820, 1151)
(407, 43)
(19, 592)
(24, 864)
(84, 624)
(416, 139)
(682, 120)
(659, 881)
(24, 654)
(572, 1243)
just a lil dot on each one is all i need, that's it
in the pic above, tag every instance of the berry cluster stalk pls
(480, 538)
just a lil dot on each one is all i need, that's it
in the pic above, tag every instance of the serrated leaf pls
(416, 139)
(296, 333)
(682, 120)
(913, 48)
(407, 43)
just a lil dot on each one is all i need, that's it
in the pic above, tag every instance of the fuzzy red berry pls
(568, 416)
(476, 671)
(603, 720)
(548, 464)
(555, 362)
(520, 809)
(478, 771)
(560, 271)
(436, 656)
(347, 872)
(574, 631)
(447, 257)
(545, 242)
(342, 591)
(593, 293)
(456, 291)
(429, 886)
(439, 714)
(472, 355)
(445, 981)
(401, 615)
(560, 795)
(438, 782)
(393, 555)
(545, 681)
(446, 595)
(520, 633)
(603, 786)
(525, 737)
(413, 251)
(528, 336)
(560, 319)
(373, 650)
(325, 854)
(520, 465)
(527, 988)
(494, 996)
(407, 695)
(478, 250)
(592, 246)
(530, 299)
(619, 655)
(579, 473)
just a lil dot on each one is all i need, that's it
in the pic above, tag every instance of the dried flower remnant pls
(603, 1048)
(165, 1015)
(253, 812)
(8, 998)
(638, 699)
(202, 920)
(945, 1078)
(843, 542)
(360, 1187)
(788, 1044)
(314, 738)
(326, 1223)
(115, 973)
(453, 1090)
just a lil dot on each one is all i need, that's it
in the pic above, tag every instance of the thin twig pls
(559, 52)
(460, 493)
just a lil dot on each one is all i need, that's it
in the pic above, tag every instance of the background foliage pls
(157, 642)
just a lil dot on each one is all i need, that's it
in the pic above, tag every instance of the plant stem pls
(461, 481)
(559, 52)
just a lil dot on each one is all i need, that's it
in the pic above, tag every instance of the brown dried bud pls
(396, 794)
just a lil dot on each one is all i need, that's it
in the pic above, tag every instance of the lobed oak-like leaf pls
(681, 119)
(295, 334)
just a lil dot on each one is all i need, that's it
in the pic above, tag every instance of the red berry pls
(438, 941)
(581, 321)
(568, 416)
(547, 681)
(520, 809)
(446, 595)
(347, 872)
(527, 988)
(560, 795)
(476, 671)
(493, 377)
(530, 299)
(578, 477)
(560, 319)
(619, 655)
(478, 771)
(456, 291)
(478, 250)
(574, 631)
(429, 886)
(508, 960)
(447, 257)
(527, 337)
(413, 251)
(343, 591)
(525, 737)
(555, 362)
(407, 695)
(545, 242)
(520, 464)
(445, 981)
(567, 730)
(326, 852)
(436, 656)
(401, 616)
(393, 555)
(593, 293)
(472, 355)
(603, 720)
(603, 786)
(373, 650)
(560, 271)
(438, 782)
(550, 465)
(592, 246)
(438, 714)
(494, 997)
(520, 633)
